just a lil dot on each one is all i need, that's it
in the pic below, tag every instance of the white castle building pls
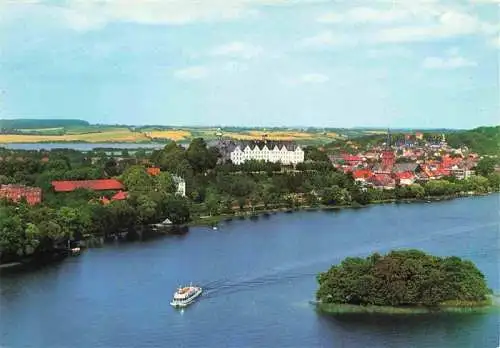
(285, 152)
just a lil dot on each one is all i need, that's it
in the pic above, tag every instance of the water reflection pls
(436, 329)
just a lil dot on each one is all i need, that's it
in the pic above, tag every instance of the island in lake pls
(403, 281)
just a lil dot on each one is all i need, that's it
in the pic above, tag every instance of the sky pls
(271, 63)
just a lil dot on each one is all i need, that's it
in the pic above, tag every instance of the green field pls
(33, 131)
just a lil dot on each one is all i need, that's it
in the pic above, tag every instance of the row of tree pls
(212, 188)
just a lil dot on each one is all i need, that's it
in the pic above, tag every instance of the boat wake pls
(310, 268)
(227, 287)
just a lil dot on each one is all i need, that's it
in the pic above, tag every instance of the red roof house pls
(94, 185)
(153, 171)
(15, 193)
(405, 178)
(362, 174)
(383, 181)
(120, 196)
(352, 160)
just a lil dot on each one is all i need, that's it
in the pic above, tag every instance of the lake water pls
(80, 146)
(259, 276)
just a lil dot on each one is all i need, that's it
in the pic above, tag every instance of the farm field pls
(173, 134)
(114, 134)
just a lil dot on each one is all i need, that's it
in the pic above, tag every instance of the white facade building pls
(181, 185)
(270, 151)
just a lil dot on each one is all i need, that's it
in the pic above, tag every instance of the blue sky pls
(338, 63)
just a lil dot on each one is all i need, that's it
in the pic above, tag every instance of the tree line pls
(212, 188)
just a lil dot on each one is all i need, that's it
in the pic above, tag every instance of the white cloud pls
(447, 63)
(411, 21)
(94, 14)
(365, 15)
(446, 25)
(238, 50)
(328, 38)
(192, 73)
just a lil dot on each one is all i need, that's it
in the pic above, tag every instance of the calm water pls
(259, 277)
(80, 146)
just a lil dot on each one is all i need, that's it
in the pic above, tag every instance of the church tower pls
(388, 155)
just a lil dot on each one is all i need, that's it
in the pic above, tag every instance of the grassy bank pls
(448, 307)
(248, 213)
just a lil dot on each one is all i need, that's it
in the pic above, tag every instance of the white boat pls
(186, 295)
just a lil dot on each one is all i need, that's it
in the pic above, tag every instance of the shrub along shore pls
(486, 306)
(212, 220)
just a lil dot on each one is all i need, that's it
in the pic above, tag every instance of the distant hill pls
(40, 124)
(483, 140)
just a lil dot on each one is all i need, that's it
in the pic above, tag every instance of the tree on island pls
(402, 278)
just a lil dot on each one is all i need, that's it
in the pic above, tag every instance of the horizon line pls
(256, 126)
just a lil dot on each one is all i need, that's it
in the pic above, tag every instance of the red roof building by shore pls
(93, 185)
(16, 193)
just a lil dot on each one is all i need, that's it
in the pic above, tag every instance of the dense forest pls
(402, 278)
(212, 189)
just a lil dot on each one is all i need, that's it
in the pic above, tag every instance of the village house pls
(461, 172)
(352, 160)
(362, 175)
(382, 181)
(370, 155)
(153, 171)
(16, 193)
(405, 178)
(119, 196)
(238, 152)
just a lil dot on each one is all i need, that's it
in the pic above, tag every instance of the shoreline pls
(213, 221)
(216, 219)
(488, 305)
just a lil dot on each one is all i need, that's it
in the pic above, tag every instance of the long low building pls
(94, 185)
(285, 152)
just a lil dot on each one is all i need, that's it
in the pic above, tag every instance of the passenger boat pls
(186, 295)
